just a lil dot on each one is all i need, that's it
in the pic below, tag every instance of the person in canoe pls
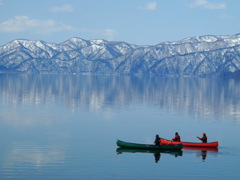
(204, 138)
(176, 138)
(157, 140)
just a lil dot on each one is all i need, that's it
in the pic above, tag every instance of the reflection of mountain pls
(203, 97)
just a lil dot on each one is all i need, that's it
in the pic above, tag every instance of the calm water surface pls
(65, 127)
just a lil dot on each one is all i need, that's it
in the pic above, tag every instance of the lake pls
(66, 126)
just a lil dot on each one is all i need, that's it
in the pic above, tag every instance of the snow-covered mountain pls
(196, 56)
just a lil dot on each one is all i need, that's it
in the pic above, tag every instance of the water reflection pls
(55, 125)
(218, 98)
(21, 159)
(36, 155)
(156, 153)
(201, 152)
(157, 157)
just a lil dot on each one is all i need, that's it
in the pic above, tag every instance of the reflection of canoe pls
(148, 146)
(192, 144)
(202, 152)
(201, 148)
(153, 151)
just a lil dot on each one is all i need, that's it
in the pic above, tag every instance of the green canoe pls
(148, 146)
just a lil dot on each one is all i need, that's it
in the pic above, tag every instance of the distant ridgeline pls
(196, 56)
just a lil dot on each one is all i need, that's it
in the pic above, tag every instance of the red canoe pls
(191, 144)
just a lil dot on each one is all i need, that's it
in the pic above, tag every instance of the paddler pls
(157, 140)
(176, 138)
(204, 138)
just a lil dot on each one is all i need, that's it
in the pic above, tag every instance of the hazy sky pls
(141, 22)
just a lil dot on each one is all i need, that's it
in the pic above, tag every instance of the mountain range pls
(195, 56)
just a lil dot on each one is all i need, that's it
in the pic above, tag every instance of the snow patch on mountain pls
(194, 56)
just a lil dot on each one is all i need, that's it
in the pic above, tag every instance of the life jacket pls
(177, 138)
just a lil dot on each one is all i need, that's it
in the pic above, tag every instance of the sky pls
(140, 22)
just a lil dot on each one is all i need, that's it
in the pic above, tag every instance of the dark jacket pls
(177, 138)
(203, 139)
(157, 140)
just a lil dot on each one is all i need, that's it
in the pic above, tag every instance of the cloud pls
(110, 33)
(63, 8)
(206, 4)
(151, 6)
(24, 24)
